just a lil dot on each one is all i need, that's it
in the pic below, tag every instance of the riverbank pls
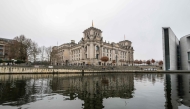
(29, 70)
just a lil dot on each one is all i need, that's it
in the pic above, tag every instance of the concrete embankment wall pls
(4, 70)
(32, 70)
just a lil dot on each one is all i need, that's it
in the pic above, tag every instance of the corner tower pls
(92, 33)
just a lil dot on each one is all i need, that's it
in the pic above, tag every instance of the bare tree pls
(148, 62)
(105, 59)
(136, 61)
(23, 47)
(48, 53)
(13, 51)
(34, 51)
(160, 62)
(42, 52)
(153, 61)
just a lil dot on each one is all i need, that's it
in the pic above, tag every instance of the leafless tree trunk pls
(48, 52)
(34, 51)
(42, 52)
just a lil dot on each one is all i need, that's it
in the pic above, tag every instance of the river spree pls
(95, 91)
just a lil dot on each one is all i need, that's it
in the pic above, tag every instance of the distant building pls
(90, 49)
(4, 48)
(176, 53)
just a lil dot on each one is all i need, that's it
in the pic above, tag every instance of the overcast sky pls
(50, 21)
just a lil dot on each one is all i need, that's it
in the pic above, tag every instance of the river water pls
(95, 91)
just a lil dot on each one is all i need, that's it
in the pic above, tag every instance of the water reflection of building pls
(150, 77)
(177, 88)
(104, 83)
(16, 90)
(92, 89)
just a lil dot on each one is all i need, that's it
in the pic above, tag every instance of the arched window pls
(97, 48)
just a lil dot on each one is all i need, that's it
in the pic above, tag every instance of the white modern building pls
(176, 53)
(185, 52)
(91, 48)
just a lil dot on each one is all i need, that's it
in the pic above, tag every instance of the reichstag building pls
(91, 48)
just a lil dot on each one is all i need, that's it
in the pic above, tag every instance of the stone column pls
(94, 50)
(87, 51)
(82, 52)
(102, 51)
(91, 50)
(70, 55)
(3, 50)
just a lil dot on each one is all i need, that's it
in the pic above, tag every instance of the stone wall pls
(34, 70)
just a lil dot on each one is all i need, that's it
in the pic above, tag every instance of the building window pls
(96, 56)
(188, 53)
(167, 49)
(97, 48)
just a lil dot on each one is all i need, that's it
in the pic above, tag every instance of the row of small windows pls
(76, 55)
(110, 51)
(75, 51)
(76, 59)
(88, 33)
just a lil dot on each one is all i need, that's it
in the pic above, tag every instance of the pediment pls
(116, 45)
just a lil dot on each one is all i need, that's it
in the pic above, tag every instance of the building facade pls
(90, 49)
(176, 53)
(4, 48)
(185, 52)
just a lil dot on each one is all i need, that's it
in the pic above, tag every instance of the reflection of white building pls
(176, 53)
(177, 87)
(186, 89)
(91, 48)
